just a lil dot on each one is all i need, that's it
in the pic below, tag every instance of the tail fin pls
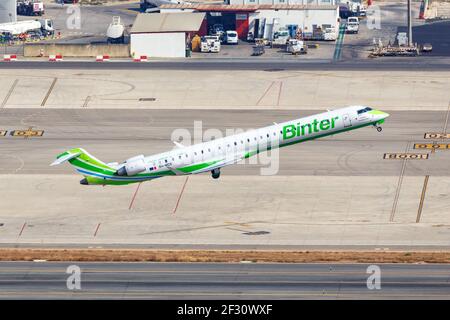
(85, 163)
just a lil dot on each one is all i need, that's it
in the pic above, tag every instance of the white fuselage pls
(231, 149)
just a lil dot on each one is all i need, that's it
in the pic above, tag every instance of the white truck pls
(44, 26)
(330, 34)
(30, 7)
(280, 38)
(210, 44)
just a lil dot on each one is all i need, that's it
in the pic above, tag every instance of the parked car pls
(426, 47)
(231, 37)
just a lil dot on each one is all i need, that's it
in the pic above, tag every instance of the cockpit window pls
(364, 110)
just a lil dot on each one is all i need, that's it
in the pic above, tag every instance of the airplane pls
(213, 155)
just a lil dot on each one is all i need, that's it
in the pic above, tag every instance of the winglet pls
(65, 158)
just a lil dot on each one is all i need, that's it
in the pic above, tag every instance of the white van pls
(352, 25)
(353, 20)
(231, 37)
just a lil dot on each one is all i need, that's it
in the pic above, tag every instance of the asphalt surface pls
(119, 134)
(435, 34)
(42, 280)
(239, 64)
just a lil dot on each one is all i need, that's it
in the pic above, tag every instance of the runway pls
(42, 280)
(335, 192)
(116, 135)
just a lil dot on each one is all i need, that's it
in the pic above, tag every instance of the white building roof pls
(246, 7)
(167, 22)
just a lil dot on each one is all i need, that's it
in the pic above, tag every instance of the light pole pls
(410, 40)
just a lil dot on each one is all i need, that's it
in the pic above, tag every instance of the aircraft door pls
(181, 159)
(347, 120)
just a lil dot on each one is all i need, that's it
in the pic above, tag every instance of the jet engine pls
(132, 166)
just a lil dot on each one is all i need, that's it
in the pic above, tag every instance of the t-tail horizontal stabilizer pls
(65, 158)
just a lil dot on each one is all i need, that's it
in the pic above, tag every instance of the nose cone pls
(379, 114)
(84, 181)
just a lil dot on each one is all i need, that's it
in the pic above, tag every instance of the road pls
(418, 64)
(42, 280)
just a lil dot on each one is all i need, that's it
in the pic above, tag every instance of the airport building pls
(283, 2)
(163, 35)
(262, 20)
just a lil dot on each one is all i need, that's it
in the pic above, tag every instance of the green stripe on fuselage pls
(197, 167)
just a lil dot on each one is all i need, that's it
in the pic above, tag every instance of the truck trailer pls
(45, 26)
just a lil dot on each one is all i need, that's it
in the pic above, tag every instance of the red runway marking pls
(134, 196)
(181, 193)
(23, 227)
(96, 229)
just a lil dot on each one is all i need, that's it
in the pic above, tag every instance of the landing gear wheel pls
(379, 129)
(215, 173)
